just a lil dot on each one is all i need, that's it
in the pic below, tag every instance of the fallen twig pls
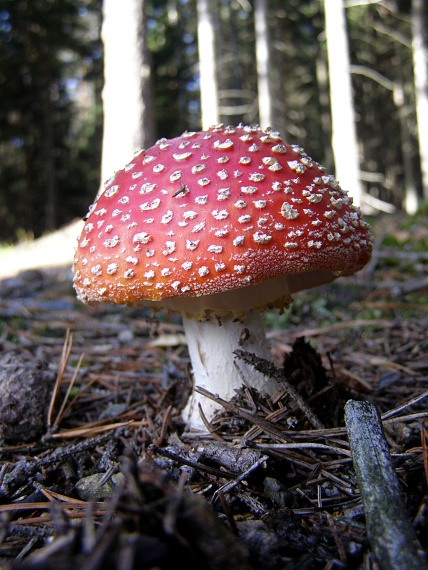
(390, 532)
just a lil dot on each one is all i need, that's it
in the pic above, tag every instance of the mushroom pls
(219, 225)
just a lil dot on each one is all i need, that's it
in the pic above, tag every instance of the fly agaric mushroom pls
(219, 225)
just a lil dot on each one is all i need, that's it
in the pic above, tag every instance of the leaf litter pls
(111, 477)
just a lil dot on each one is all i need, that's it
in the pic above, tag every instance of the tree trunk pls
(344, 136)
(410, 199)
(276, 75)
(266, 112)
(420, 64)
(127, 98)
(324, 101)
(207, 66)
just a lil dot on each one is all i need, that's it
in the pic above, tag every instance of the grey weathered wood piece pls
(391, 535)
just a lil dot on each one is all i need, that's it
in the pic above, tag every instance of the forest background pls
(198, 62)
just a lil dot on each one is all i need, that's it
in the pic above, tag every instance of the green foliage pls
(380, 43)
(51, 77)
(48, 154)
(172, 42)
(298, 27)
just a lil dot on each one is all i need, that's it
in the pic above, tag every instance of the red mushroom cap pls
(214, 211)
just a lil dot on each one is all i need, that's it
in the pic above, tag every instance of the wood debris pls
(273, 484)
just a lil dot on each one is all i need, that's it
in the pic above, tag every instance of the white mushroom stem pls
(211, 347)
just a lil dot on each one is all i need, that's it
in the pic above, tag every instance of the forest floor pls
(97, 470)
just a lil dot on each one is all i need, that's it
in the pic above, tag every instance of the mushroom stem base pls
(211, 348)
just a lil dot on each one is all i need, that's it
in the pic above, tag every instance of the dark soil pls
(97, 470)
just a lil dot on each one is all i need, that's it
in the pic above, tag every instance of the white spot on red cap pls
(96, 270)
(221, 233)
(110, 192)
(189, 215)
(220, 214)
(142, 237)
(198, 227)
(146, 206)
(257, 177)
(336, 202)
(167, 217)
(297, 166)
(147, 188)
(244, 160)
(305, 160)
(262, 238)
(260, 204)
(197, 168)
(223, 194)
(182, 156)
(223, 145)
(248, 189)
(215, 248)
(170, 247)
(244, 219)
(113, 242)
(288, 211)
(192, 244)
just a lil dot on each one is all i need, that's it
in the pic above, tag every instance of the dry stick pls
(404, 406)
(63, 363)
(262, 366)
(390, 533)
(70, 387)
